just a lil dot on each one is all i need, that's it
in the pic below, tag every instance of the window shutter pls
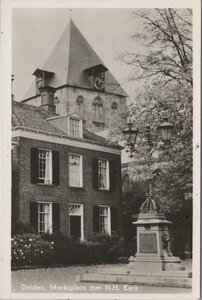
(112, 175)
(56, 217)
(113, 219)
(95, 173)
(34, 165)
(96, 218)
(56, 167)
(34, 215)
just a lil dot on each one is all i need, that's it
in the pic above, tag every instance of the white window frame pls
(77, 214)
(80, 135)
(48, 180)
(108, 231)
(80, 170)
(107, 174)
(50, 227)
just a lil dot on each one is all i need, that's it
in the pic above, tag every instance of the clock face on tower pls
(99, 81)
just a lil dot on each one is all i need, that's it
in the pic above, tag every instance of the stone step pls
(124, 271)
(135, 279)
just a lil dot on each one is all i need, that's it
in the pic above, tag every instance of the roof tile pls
(33, 117)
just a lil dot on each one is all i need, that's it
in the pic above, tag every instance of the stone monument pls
(154, 263)
(153, 243)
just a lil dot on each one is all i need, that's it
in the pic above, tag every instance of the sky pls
(35, 32)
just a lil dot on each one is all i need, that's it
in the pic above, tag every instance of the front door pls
(76, 221)
(75, 226)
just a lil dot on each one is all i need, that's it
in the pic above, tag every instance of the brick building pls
(74, 79)
(65, 178)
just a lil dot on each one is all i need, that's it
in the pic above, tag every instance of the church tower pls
(74, 79)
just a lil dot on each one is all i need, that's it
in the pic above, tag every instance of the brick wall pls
(62, 193)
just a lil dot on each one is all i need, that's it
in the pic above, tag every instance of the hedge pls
(32, 249)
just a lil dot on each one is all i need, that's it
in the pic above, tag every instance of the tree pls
(164, 73)
(167, 40)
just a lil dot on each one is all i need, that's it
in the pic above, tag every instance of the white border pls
(5, 206)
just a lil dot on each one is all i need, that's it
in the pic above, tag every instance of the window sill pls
(103, 190)
(45, 184)
(77, 187)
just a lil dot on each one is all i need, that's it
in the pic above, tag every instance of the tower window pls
(80, 104)
(98, 112)
(114, 108)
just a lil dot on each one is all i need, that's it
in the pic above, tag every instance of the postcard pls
(100, 156)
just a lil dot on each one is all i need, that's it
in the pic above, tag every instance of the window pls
(74, 127)
(75, 170)
(114, 108)
(76, 221)
(104, 219)
(44, 218)
(103, 174)
(45, 166)
(57, 106)
(98, 111)
(104, 222)
(79, 102)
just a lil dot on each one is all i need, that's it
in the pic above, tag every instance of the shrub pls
(96, 249)
(30, 249)
(105, 248)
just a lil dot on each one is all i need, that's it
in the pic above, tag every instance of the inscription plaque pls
(148, 243)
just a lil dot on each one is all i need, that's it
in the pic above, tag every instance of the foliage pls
(96, 249)
(163, 71)
(133, 197)
(30, 249)
(166, 38)
(111, 247)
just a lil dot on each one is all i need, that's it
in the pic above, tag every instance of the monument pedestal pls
(153, 244)
(153, 263)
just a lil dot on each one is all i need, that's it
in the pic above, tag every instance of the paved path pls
(63, 280)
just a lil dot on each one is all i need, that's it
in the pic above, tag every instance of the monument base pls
(180, 279)
(152, 263)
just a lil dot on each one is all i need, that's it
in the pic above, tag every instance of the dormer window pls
(42, 79)
(72, 124)
(74, 127)
(39, 84)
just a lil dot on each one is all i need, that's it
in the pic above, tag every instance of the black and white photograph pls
(100, 161)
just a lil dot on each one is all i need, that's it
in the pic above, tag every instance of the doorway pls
(76, 221)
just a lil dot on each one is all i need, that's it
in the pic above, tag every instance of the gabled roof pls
(36, 118)
(68, 60)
